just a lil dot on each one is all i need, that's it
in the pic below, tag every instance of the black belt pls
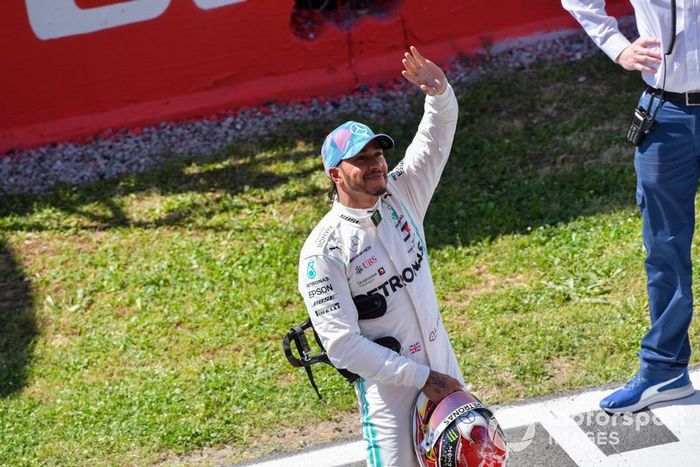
(685, 98)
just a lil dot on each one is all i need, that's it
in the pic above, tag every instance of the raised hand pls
(423, 73)
(641, 56)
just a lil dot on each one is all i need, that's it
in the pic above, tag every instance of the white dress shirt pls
(653, 20)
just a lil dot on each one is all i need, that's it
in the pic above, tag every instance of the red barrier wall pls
(61, 80)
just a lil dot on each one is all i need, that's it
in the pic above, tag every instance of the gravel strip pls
(113, 154)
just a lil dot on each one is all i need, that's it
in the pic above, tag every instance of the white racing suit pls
(382, 250)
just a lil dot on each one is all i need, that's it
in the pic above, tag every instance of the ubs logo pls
(360, 268)
(369, 262)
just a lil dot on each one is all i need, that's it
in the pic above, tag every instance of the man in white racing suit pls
(372, 242)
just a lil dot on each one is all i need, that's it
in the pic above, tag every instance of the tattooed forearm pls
(439, 385)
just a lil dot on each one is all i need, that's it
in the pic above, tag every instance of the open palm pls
(423, 73)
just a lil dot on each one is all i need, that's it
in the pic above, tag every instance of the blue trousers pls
(667, 164)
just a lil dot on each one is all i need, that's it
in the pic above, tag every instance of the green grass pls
(142, 318)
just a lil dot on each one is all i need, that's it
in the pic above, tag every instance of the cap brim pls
(385, 141)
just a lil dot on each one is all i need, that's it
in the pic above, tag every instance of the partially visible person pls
(667, 163)
(372, 243)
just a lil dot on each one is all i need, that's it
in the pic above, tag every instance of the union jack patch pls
(413, 348)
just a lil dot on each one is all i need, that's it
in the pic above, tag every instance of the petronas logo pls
(310, 271)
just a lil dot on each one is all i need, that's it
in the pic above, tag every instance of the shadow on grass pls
(230, 172)
(17, 324)
(532, 148)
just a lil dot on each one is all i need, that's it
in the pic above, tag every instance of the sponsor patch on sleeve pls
(324, 236)
(328, 309)
(320, 291)
(397, 172)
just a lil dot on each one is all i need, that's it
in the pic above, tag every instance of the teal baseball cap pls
(347, 141)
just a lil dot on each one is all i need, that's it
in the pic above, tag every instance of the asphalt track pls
(564, 431)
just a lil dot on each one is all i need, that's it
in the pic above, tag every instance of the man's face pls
(365, 174)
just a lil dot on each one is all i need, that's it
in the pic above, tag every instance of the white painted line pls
(568, 435)
(340, 454)
(556, 416)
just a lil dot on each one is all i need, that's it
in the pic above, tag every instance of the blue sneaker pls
(641, 392)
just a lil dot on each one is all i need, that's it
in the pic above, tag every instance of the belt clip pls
(692, 99)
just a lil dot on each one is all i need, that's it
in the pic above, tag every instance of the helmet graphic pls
(459, 431)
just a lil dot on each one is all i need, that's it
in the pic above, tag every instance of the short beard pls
(355, 187)
(378, 191)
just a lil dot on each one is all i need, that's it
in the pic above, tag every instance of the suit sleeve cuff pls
(422, 375)
(441, 99)
(614, 46)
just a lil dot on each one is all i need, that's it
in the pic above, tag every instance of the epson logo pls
(320, 290)
(316, 282)
(328, 309)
